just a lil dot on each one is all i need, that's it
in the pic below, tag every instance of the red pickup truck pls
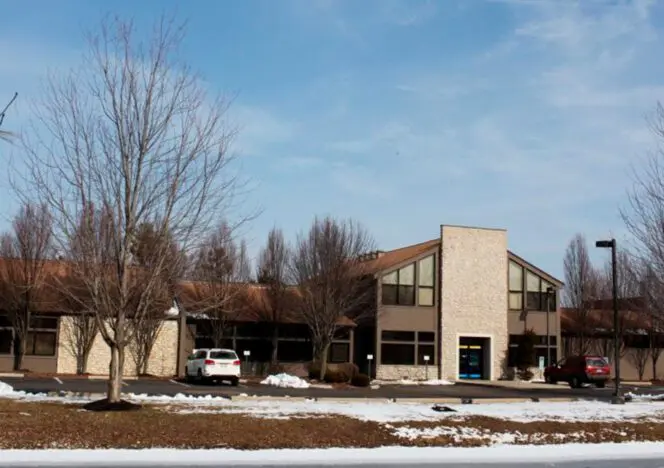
(578, 370)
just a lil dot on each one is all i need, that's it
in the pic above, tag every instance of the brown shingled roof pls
(249, 304)
(391, 258)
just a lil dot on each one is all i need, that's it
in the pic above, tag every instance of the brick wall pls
(474, 293)
(162, 362)
(389, 372)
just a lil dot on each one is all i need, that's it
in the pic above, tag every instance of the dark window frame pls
(431, 287)
(415, 342)
(398, 291)
(511, 291)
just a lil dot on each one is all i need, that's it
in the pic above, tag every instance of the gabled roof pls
(512, 256)
(391, 258)
(385, 260)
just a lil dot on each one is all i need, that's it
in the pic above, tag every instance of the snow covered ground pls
(381, 456)
(381, 410)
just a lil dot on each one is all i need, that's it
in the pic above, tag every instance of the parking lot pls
(459, 390)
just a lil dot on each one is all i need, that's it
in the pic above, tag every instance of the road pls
(170, 388)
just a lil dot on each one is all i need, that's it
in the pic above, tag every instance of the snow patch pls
(385, 456)
(285, 381)
(6, 389)
(635, 397)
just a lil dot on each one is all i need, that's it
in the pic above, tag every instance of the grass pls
(33, 425)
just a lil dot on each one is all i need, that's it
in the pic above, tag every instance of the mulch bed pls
(32, 425)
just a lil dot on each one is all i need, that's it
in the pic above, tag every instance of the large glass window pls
(402, 348)
(533, 288)
(425, 281)
(551, 298)
(516, 286)
(339, 352)
(397, 354)
(398, 287)
(5, 341)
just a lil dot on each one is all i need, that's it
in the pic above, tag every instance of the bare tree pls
(23, 275)
(148, 327)
(639, 358)
(272, 273)
(581, 289)
(5, 135)
(644, 213)
(221, 273)
(328, 268)
(134, 134)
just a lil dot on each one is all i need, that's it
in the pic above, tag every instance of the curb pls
(12, 374)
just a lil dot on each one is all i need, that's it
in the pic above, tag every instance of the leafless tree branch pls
(130, 138)
(327, 266)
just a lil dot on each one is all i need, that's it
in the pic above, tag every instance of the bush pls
(360, 380)
(348, 369)
(314, 370)
(525, 374)
(335, 376)
(274, 369)
(335, 373)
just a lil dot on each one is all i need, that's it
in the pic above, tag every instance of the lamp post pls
(606, 244)
(549, 291)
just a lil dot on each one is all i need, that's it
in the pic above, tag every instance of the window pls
(425, 350)
(426, 337)
(533, 291)
(339, 352)
(425, 280)
(47, 323)
(294, 351)
(541, 352)
(397, 354)
(5, 341)
(40, 343)
(551, 297)
(398, 287)
(402, 348)
(223, 355)
(515, 286)
(388, 335)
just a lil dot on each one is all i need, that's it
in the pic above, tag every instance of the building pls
(462, 300)
(452, 307)
(641, 344)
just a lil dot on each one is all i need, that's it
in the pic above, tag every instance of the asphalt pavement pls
(173, 387)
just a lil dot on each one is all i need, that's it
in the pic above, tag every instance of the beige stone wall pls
(162, 362)
(66, 360)
(474, 293)
(388, 372)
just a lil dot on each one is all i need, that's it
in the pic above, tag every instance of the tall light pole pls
(549, 290)
(605, 244)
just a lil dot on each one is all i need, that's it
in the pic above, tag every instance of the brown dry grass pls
(55, 425)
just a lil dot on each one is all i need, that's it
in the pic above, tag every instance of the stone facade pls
(162, 362)
(387, 372)
(473, 271)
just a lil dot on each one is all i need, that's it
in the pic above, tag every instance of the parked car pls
(214, 364)
(578, 370)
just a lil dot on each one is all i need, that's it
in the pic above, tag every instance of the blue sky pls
(524, 115)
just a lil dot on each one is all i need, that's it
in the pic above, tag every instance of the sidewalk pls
(513, 384)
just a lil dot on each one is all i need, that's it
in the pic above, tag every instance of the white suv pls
(213, 364)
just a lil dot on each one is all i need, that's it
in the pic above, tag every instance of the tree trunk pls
(80, 364)
(19, 352)
(654, 355)
(275, 344)
(115, 374)
(323, 361)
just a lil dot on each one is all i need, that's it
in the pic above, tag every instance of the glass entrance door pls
(471, 362)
